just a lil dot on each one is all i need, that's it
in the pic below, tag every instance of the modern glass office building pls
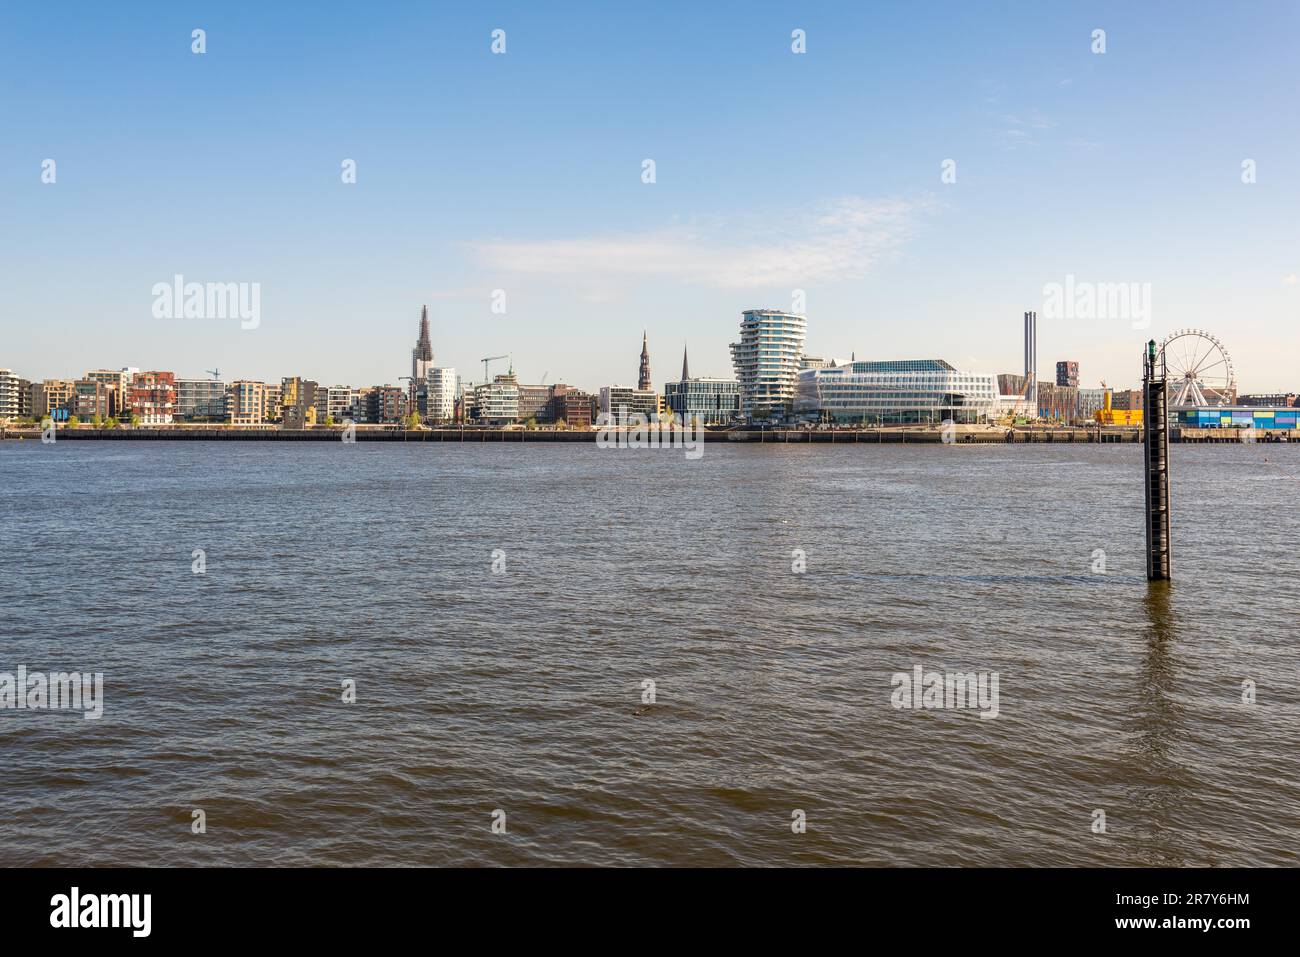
(710, 401)
(201, 400)
(896, 393)
(766, 360)
(620, 401)
(1236, 417)
(497, 401)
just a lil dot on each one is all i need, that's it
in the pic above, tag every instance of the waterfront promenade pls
(759, 436)
(1019, 435)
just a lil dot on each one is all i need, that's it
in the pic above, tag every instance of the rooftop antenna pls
(215, 373)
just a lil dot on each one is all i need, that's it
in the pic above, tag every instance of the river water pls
(519, 695)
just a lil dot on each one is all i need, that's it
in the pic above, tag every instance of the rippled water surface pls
(522, 691)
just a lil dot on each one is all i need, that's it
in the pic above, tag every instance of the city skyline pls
(423, 361)
(1061, 169)
(171, 163)
(937, 521)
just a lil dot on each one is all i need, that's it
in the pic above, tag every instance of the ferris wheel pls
(1198, 368)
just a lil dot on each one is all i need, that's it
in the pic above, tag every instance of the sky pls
(828, 173)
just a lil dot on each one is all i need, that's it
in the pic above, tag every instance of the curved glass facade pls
(766, 360)
(906, 392)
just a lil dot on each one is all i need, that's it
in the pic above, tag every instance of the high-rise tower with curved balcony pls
(766, 360)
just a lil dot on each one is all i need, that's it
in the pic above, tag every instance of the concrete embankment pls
(1232, 436)
(769, 436)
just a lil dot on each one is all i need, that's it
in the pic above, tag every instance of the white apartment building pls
(766, 360)
(440, 388)
(9, 403)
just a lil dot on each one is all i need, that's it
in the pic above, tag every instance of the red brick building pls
(577, 409)
(153, 397)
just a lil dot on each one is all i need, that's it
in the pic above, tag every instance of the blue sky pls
(775, 171)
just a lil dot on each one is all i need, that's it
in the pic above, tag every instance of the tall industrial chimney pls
(1031, 361)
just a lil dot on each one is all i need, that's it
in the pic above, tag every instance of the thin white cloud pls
(843, 240)
(1291, 280)
(1032, 120)
(1016, 130)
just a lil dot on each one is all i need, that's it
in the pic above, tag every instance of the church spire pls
(424, 347)
(686, 369)
(643, 381)
(421, 359)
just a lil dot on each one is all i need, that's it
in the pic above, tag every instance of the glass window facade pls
(1237, 417)
(905, 392)
(201, 400)
(617, 401)
(497, 402)
(766, 360)
(710, 401)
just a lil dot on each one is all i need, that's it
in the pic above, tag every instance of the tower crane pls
(485, 364)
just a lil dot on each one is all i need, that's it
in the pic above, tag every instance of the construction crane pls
(215, 373)
(485, 364)
(544, 375)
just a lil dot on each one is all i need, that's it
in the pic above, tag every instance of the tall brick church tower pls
(643, 381)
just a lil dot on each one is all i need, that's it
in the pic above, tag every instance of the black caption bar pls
(216, 906)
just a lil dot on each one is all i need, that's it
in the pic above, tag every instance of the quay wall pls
(829, 437)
